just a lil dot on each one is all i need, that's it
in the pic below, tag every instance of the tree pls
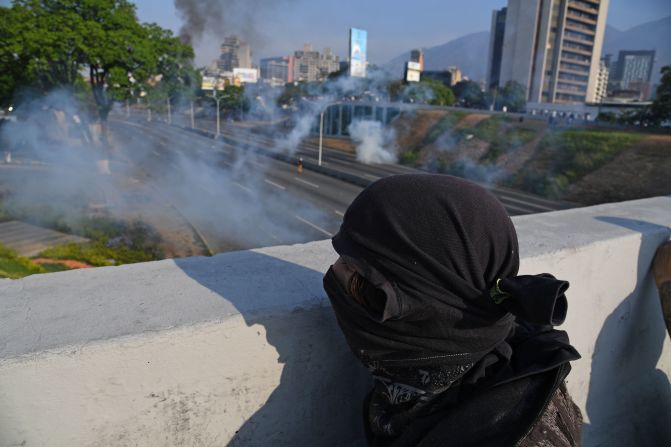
(442, 95)
(513, 96)
(660, 110)
(53, 42)
(12, 61)
(469, 94)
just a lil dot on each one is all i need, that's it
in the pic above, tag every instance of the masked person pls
(462, 350)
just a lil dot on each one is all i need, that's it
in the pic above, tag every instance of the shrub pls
(13, 266)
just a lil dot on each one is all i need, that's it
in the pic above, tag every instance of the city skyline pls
(434, 23)
(284, 27)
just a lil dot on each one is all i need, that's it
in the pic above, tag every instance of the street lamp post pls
(217, 99)
(193, 122)
(169, 112)
(321, 137)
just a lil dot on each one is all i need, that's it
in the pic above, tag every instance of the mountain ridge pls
(470, 52)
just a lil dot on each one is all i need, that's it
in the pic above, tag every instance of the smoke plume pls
(219, 18)
(374, 143)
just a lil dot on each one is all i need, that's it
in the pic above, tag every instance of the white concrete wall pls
(242, 348)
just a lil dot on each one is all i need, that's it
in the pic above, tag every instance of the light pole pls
(193, 121)
(321, 137)
(216, 99)
(321, 127)
(169, 112)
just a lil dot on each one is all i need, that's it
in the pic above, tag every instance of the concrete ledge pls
(242, 348)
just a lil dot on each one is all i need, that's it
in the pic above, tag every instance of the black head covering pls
(442, 256)
(437, 246)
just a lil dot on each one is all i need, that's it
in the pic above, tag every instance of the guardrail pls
(243, 349)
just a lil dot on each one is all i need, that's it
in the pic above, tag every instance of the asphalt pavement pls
(243, 190)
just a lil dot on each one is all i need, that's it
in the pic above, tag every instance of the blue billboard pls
(358, 39)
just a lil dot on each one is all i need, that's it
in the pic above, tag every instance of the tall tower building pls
(417, 56)
(633, 71)
(553, 48)
(496, 47)
(602, 81)
(235, 53)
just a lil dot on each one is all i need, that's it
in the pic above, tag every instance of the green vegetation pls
(470, 95)
(444, 124)
(51, 44)
(442, 95)
(408, 158)
(512, 96)
(501, 135)
(565, 156)
(113, 242)
(13, 266)
(98, 254)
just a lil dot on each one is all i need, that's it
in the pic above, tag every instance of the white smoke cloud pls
(231, 202)
(374, 143)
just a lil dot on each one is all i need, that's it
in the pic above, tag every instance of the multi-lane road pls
(240, 191)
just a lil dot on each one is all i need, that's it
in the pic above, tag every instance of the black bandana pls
(444, 254)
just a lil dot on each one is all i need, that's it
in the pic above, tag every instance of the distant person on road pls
(462, 350)
(299, 167)
(662, 271)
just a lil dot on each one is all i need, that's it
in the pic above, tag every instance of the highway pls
(234, 198)
(237, 194)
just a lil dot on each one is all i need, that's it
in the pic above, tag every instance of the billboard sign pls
(358, 40)
(413, 71)
(414, 66)
(246, 75)
(412, 76)
(212, 83)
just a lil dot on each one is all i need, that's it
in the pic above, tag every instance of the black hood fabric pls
(444, 255)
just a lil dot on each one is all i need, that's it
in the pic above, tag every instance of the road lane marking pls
(372, 177)
(227, 163)
(318, 228)
(276, 185)
(243, 187)
(314, 185)
(339, 213)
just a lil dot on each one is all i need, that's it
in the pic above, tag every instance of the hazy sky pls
(278, 27)
(393, 26)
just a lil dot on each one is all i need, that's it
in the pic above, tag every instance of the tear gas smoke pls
(374, 143)
(148, 178)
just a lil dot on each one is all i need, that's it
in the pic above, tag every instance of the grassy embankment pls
(113, 242)
(564, 156)
(411, 156)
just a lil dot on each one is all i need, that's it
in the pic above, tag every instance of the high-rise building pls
(328, 62)
(417, 56)
(277, 70)
(496, 47)
(455, 76)
(553, 48)
(633, 71)
(235, 53)
(311, 66)
(602, 81)
(306, 64)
